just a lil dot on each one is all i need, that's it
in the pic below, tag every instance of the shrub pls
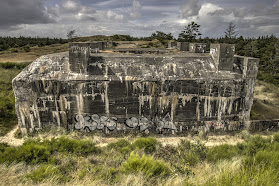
(11, 65)
(220, 152)
(78, 147)
(3, 147)
(33, 153)
(26, 48)
(255, 144)
(167, 152)
(13, 50)
(191, 153)
(9, 155)
(66, 145)
(276, 137)
(148, 144)
(145, 164)
(190, 158)
(263, 159)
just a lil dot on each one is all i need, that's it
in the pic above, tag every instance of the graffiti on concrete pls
(94, 122)
(214, 125)
(166, 123)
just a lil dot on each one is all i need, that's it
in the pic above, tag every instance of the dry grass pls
(35, 52)
(267, 92)
(266, 101)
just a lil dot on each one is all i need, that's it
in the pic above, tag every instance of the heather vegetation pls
(144, 161)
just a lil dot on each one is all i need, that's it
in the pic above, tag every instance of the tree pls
(274, 59)
(190, 32)
(161, 36)
(71, 34)
(231, 31)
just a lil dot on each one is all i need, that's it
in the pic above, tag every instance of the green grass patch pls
(146, 165)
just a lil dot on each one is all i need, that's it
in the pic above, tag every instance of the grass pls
(266, 101)
(34, 53)
(7, 109)
(145, 164)
(145, 161)
(65, 161)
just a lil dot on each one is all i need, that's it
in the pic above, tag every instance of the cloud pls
(260, 19)
(83, 16)
(190, 8)
(16, 12)
(74, 9)
(54, 18)
(114, 16)
(136, 10)
(136, 5)
(237, 12)
(71, 6)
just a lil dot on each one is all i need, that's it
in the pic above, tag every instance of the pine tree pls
(190, 32)
(231, 31)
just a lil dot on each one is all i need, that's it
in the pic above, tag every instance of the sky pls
(54, 18)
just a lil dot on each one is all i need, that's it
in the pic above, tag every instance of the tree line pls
(266, 48)
(16, 42)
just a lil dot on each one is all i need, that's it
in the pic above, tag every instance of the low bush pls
(34, 151)
(276, 137)
(255, 144)
(26, 48)
(30, 154)
(191, 153)
(263, 159)
(3, 147)
(145, 164)
(148, 144)
(66, 145)
(13, 65)
(13, 50)
(77, 147)
(221, 152)
(167, 152)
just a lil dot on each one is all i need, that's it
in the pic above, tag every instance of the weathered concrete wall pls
(198, 47)
(181, 46)
(148, 92)
(264, 125)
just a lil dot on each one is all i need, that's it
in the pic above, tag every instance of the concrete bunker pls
(150, 90)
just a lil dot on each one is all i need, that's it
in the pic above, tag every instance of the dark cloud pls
(190, 8)
(16, 12)
(136, 17)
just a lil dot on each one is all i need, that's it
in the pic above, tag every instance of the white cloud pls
(114, 16)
